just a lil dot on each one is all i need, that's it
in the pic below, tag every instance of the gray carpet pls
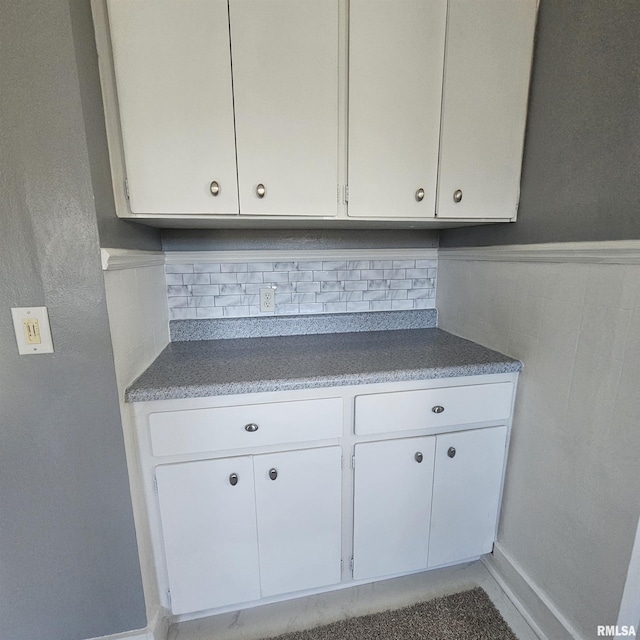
(469, 615)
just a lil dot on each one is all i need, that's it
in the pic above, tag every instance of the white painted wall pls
(139, 323)
(572, 491)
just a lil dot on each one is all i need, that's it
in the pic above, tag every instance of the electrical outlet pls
(33, 333)
(268, 299)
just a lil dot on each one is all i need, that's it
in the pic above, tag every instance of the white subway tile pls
(234, 267)
(223, 278)
(401, 304)
(260, 266)
(333, 265)
(206, 267)
(335, 307)
(252, 277)
(308, 287)
(178, 268)
(306, 307)
(209, 312)
(196, 278)
(355, 285)
(174, 278)
(287, 309)
(332, 286)
(358, 306)
(300, 276)
(228, 301)
(205, 290)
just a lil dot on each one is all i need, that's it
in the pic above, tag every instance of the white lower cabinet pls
(237, 529)
(298, 497)
(209, 532)
(466, 494)
(251, 502)
(392, 506)
(425, 502)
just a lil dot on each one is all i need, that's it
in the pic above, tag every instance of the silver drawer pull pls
(457, 196)
(273, 473)
(214, 187)
(251, 427)
(419, 457)
(451, 452)
(261, 191)
(437, 409)
(420, 194)
(233, 479)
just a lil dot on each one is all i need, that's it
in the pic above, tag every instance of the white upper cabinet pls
(285, 80)
(396, 51)
(486, 83)
(173, 76)
(277, 108)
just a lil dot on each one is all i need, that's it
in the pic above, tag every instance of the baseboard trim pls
(609, 252)
(528, 598)
(285, 255)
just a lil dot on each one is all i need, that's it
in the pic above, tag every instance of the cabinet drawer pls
(427, 408)
(202, 430)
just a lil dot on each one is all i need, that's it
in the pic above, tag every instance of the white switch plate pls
(33, 333)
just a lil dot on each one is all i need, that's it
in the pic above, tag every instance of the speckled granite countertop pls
(245, 365)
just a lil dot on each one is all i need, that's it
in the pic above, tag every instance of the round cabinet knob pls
(437, 409)
(251, 427)
(273, 473)
(457, 195)
(420, 194)
(451, 452)
(419, 457)
(233, 479)
(214, 187)
(261, 191)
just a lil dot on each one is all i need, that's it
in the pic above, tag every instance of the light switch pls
(33, 333)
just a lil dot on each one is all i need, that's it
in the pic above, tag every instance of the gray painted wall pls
(581, 171)
(113, 232)
(258, 239)
(68, 556)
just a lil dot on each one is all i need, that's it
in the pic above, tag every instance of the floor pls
(302, 613)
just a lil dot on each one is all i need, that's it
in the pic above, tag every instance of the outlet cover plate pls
(41, 317)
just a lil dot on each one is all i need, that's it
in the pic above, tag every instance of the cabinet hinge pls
(351, 564)
(169, 596)
(126, 187)
(346, 193)
(341, 565)
(353, 462)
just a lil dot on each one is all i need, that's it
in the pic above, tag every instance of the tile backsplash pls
(231, 289)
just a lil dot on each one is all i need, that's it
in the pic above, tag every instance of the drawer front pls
(220, 428)
(427, 408)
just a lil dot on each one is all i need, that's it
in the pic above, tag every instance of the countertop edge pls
(274, 385)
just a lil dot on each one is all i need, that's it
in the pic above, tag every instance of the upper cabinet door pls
(396, 50)
(486, 81)
(285, 75)
(173, 76)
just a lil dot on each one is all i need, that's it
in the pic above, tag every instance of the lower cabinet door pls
(209, 528)
(299, 507)
(466, 494)
(392, 505)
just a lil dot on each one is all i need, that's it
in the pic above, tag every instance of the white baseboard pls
(528, 598)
